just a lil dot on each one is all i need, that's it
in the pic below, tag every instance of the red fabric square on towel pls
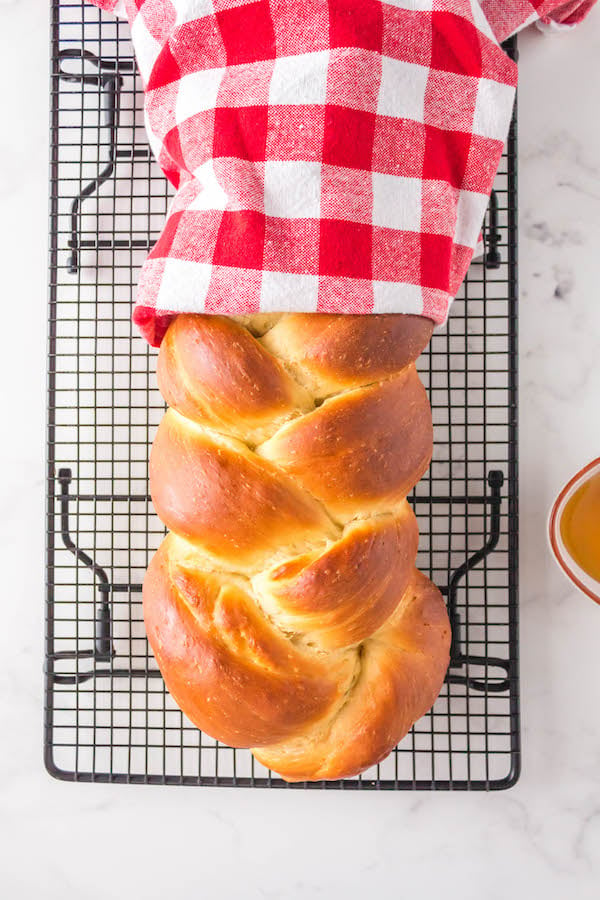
(241, 131)
(446, 154)
(165, 70)
(247, 32)
(436, 253)
(241, 239)
(163, 245)
(455, 45)
(345, 249)
(349, 137)
(359, 24)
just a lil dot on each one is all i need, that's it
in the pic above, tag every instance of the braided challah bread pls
(284, 609)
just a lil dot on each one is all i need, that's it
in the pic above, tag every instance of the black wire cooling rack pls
(108, 716)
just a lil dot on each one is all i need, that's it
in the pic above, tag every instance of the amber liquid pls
(580, 526)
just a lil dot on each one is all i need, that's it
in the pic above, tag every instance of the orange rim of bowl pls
(552, 531)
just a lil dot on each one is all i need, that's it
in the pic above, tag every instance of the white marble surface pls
(540, 839)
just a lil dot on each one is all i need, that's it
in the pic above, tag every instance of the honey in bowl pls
(580, 526)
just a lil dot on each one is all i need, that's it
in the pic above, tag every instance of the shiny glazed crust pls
(284, 609)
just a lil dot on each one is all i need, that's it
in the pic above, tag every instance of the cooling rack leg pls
(110, 83)
(493, 257)
(457, 658)
(103, 641)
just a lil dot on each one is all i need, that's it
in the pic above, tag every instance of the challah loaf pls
(284, 608)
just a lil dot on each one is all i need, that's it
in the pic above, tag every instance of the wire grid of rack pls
(108, 716)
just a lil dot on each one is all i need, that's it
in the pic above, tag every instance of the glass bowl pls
(575, 573)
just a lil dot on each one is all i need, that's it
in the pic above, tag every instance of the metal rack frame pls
(107, 714)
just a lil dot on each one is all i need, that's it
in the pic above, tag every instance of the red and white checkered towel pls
(329, 155)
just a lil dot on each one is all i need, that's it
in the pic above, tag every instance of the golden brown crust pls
(211, 370)
(340, 596)
(224, 498)
(232, 673)
(360, 452)
(331, 353)
(285, 611)
(402, 669)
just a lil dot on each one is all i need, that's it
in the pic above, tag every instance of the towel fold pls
(328, 155)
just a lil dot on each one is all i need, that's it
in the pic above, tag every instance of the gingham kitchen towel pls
(329, 155)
